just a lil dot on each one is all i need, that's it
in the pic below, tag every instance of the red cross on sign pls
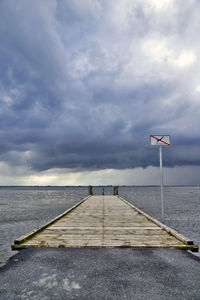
(160, 140)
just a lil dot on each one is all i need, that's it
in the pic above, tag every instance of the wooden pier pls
(104, 221)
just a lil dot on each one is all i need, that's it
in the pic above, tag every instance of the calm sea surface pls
(23, 209)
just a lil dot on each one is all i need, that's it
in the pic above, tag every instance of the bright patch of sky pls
(162, 5)
(159, 51)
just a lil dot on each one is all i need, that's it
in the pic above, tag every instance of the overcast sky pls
(84, 83)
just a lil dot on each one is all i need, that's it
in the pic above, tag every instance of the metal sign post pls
(161, 184)
(161, 140)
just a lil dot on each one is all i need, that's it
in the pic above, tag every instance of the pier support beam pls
(90, 190)
(115, 193)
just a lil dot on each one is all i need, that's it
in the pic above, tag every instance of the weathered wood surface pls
(104, 221)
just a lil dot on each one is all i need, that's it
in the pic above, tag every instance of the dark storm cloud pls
(84, 83)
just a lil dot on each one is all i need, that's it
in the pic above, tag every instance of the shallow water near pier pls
(23, 209)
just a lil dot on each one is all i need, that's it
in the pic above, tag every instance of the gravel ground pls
(113, 274)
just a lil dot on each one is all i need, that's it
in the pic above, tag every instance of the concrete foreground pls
(105, 273)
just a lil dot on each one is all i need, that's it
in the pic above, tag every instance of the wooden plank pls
(30, 235)
(103, 221)
(98, 244)
(165, 227)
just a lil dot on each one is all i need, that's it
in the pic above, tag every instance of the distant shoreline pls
(95, 186)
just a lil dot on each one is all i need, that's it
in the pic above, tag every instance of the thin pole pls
(161, 184)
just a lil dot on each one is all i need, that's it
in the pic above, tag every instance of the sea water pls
(23, 209)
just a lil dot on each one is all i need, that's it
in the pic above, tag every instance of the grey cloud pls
(64, 101)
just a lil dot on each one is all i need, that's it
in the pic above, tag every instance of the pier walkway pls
(101, 222)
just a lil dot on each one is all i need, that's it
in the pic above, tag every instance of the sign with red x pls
(160, 140)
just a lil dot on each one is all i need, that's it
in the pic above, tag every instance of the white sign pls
(160, 140)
